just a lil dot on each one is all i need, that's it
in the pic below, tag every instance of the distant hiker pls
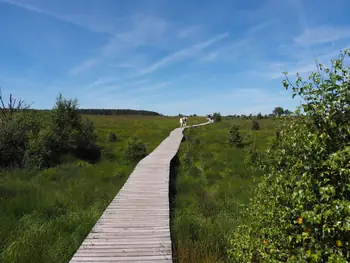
(210, 118)
(181, 121)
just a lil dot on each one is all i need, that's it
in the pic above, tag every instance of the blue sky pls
(168, 56)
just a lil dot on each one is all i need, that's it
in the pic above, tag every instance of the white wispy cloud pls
(85, 21)
(181, 54)
(144, 30)
(139, 31)
(302, 66)
(322, 34)
(87, 64)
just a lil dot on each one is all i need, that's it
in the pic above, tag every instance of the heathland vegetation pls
(272, 190)
(59, 171)
(264, 188)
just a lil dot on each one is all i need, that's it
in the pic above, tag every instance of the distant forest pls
(107, 112)
(119, 112)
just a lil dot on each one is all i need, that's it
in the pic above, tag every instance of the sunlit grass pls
(212, 182)
(45, 215)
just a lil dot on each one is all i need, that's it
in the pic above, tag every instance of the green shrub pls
(67, 122)
(42, 149)
(14, 136)
(86, 147)
(27, 139)
(75, 134)
(111, 136)
(108, 154)
(235, 137)
(255, 125)
(300, 212)
(82, 163)
(136, 149)
(248, 139)
(217, 117)
(252, 157)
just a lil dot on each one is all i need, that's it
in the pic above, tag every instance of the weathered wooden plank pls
(135, 226)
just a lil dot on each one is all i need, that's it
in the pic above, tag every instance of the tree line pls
(119, 112)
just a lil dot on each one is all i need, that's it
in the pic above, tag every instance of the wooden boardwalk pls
(135, 227)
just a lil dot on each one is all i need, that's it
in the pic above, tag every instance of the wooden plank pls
(135, 226)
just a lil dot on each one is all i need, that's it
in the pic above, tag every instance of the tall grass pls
(45, 215)
(211, 184)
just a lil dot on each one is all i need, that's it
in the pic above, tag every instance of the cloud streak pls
(88, 64)
(181, 54)
(321, 35)
(82, 21)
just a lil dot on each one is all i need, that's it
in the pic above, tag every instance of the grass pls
(212, 182)
(45, 215)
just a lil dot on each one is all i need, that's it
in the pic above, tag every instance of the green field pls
(45, 215)
(212, 182)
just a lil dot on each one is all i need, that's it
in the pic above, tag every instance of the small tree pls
(287, 112)
(15, 125)
(217, 117)
(278, 111)
(259, 116)
(300, 212)
(6, 112)
(235, 137)
(255, 125)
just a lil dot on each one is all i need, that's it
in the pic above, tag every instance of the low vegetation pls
(213, 181)
(37, 140)
(111, 137)
(298, 209)
(272, 188)
(235, 138)
(136, 149)
(301, 209)
(52, 187)
(255, 125)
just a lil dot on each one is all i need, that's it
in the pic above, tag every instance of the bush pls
(300, 212)
(217, 117)
(14, 137)
(253, 157)
(136, 149)
(248, 139)
(75, 134)
(67, 122)
(27, 139)
(111, 136)
(235, 138)
(108, 154)
(255, 125)
(42, 150)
